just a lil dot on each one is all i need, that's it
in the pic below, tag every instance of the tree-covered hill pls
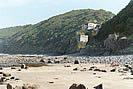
(121, 23)
(55, 35)
(5, 33)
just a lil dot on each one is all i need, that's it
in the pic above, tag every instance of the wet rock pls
(1, 72)
(75, 69)
(19, 69)
(67, 66)
(94, 73)
(96, 69)
(90, 69)
(77, 86)
(103, 70)
(17, 79)
(76, 62)
(113, 70)
(93, 67)
(100, 86)
(49, 61)
(42, 61)
(23, 66)
(13, 68)
(51, 82)
(12, 78)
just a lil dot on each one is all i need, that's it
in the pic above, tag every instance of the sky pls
(22, 12)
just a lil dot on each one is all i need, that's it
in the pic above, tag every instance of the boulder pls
(77, 86)
(49, 62)
(76, 62)
(113, 70)
(23, 66)
(100, 86)
(76, 69)
(42, 61)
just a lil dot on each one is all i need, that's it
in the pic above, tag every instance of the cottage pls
(93, 26)
(83, 38)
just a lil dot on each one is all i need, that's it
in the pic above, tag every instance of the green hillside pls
(55, 35)
(121, 23)
(6, 33)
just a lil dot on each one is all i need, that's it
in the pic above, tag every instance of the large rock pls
(77, 86)
(23, 66)
(100, 86)
(76, 62)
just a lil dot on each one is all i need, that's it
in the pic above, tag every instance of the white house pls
(93, 26)
(83, 38)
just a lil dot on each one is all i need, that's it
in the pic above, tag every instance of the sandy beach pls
(57, 76)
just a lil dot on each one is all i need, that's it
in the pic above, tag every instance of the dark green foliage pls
(55, 35)
(8, 32)
(121, 23)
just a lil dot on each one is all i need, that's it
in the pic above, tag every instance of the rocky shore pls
(17, 60)
(68, 70)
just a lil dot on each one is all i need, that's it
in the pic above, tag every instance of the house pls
(83, 38)
(93, 26)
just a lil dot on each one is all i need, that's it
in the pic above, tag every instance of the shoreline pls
(15, 60)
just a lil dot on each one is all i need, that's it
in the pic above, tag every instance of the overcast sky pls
(20, 12)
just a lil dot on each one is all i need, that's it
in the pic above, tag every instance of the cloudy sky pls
(20, 12)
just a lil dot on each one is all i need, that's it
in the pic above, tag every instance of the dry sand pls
(62, 77)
